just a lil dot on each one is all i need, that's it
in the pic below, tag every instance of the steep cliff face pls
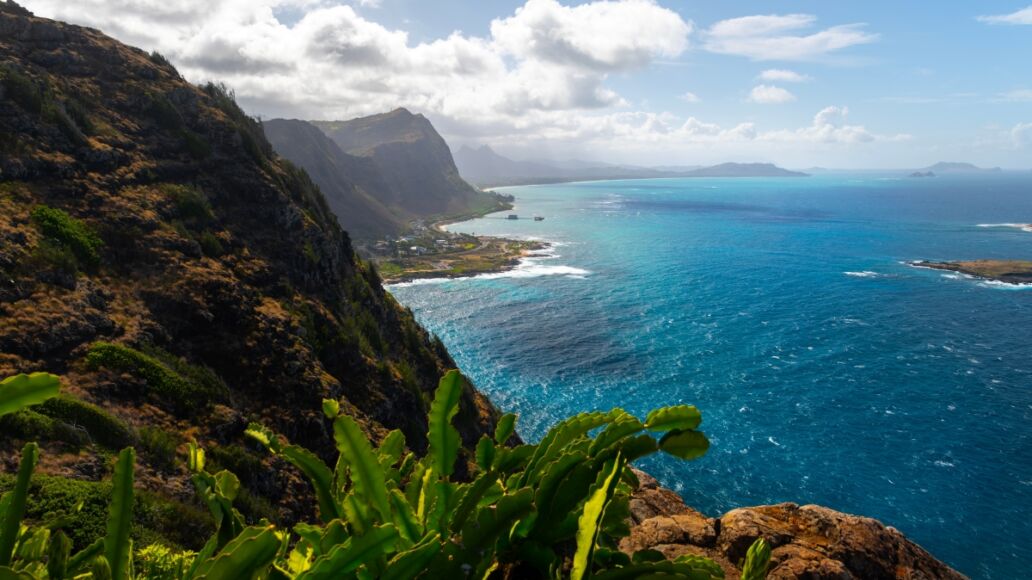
(352, 185)
(180, 276)
(414, 160)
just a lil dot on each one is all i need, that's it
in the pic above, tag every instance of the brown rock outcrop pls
(809, 541)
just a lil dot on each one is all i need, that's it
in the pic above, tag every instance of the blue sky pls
(857, 84)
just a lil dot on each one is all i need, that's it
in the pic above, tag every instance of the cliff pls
(415, 162)
(181, 277)
(353, 185)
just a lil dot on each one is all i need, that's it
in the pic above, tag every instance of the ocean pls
(827, 370)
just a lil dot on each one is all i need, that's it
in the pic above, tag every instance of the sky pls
(843, 84)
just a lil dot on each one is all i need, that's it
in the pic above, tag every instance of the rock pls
(809, 541)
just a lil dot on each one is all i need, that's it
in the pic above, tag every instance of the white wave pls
(1000, 285)
(1022, 227)
(863, 274)
(531, 270)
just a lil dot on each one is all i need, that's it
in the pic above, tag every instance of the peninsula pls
(1008, 271)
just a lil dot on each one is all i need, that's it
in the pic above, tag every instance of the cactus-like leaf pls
(15, 503)
(680, 417)
(12, 574)
(405, 517)
(80, 559)
(408, 564)
(489, 523)
(244, 557)
(350, 555)
(58, 552)
(195, 457)
(684, 444)
(22, 391)
(588, 524)
(366, 472)
(485, 453)
(227, 485)
(623, 425)
(331, 408)
(757, 559)
(443, 437)
(101, 569)
(505, 427)
(314, 469)
(391, 448)
(471, 499)
(120, 516)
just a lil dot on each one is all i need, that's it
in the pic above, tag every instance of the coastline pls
(509, 255)
(1011, 272)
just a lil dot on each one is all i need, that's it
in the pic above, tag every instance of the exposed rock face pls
(415, 162)
(809, 541)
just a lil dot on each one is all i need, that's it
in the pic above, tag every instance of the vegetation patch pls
(69, 232)
(28, 424)
(164, 377)
(155, 519)
(159, 446)
(103, 427)
(251, 133)
(21, 89)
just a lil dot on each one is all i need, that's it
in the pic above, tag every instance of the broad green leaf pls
(622, 426)
(32, 545)
(505, 428)
(489, 523)
(684, 444)
(366, 473)
(58, 552)
(244, 557)
(81, 558)
(680, 417)
(410, 563)
(350, 555)
(15, 503)
(443, 437)
(227, 484)
(11, 574)
(405, 517)
(591, 517)
(318, 474)
(356, 512)
(195, 457)
(554, 474)
(22, 391)
(263, 435)
(117, 549)
(471, 499)
(485, 453)
(331, 408)
(757, 559)
(391, 448)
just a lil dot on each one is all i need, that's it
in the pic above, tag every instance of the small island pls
(1008, 271)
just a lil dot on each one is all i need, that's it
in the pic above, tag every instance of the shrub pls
(30, 425)
(172, 389)
(102, 427)
(70, 232)
(159, 59)
(195, 145)
(252, 135)
(159, 446)
(190, 203)
(163, 111)
(22, 90)
(78, 114)
(55, 256)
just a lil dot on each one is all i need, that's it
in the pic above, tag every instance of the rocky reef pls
(809, 541)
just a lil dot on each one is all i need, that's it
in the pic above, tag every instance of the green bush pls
(21, 89)
(29, 425)
(252, 135)
(159, 59)
(190, 204)
(70, 232)
(103, 427)
(159, 446)
(188, 394)
(53, 255)
(210, 244)
(163, 111)
(195, 145)
(156, 519)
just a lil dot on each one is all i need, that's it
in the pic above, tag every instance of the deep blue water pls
(827, 371)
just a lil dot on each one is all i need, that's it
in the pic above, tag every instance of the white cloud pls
(777, 37)
(1023, 16)
(770, 95)
(1021, 135)
(829, 126)
(1016, 96)
(783, 75)
(690, 97)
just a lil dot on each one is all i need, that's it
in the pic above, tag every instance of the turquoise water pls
(827, 370)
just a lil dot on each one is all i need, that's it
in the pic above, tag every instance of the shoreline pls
(509, 261)
(1011, 272)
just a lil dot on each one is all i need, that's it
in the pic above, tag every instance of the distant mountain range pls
(484, 167)
(379, 173)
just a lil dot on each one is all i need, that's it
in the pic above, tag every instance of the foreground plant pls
(556, 509)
